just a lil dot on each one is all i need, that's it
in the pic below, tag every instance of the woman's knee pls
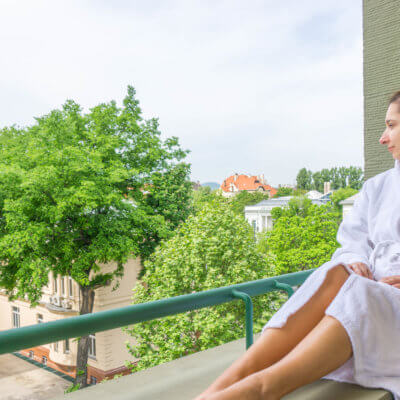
(334, 280)
(337, 274)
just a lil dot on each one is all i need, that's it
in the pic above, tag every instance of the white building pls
(259, 215)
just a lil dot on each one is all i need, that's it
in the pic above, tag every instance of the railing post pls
(249, 315)
(284, 286)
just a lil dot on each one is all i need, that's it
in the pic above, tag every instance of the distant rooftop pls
(284, 200)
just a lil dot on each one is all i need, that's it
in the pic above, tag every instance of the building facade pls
(381, 37)
(61, 299)
(259, 215)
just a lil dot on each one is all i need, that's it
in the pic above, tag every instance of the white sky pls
(248, 86)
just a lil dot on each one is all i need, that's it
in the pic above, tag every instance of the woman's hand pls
(392, 280)
(361, 269)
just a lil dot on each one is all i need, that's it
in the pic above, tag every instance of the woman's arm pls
(353, 232)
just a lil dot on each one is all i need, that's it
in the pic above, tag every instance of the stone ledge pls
(186, 377)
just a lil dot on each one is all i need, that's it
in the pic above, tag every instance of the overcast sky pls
(248, 86)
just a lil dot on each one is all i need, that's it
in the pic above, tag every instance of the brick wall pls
(381, 31)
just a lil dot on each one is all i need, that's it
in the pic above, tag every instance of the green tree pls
(299, 192)
(303, 235)
(283, 191)
(356, 177)
(245, 198)
(340, 178)
(64, 205)
(303, 179)
(318, 183)
(326, 176)
(341, 194)
(213, 248)
(168, 195)
(203, 196)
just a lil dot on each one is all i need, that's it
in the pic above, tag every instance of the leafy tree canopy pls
(340, 177)
(303, 235)
(63, 183)
(304, 179)
(78, 190)
(283, 191)
(213, 248)
(245, 198)
(341, 194)
(203, 196)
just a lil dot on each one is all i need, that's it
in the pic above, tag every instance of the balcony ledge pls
(60, 310)
(187, 377)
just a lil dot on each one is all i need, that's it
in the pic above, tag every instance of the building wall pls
(111, 352)
(260, 218)
(381, 35)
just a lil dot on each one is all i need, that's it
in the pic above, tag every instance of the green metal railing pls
(34, 335)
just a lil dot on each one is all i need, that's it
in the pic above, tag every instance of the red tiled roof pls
(245, 182)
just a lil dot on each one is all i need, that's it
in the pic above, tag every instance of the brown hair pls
(395, 98)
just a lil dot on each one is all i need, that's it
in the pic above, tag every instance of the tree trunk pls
(87, 301)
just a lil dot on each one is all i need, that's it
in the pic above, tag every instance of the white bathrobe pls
(369, 310)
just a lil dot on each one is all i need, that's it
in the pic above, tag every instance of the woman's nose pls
(383, 138)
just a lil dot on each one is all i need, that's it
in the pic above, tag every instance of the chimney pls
(327, 187)
(235, 177)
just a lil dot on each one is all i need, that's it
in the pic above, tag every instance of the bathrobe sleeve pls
(356, 246)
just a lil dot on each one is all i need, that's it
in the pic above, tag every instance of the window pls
(93, 380)
(44, 360)
(66, 346)
(92, 346)
(15, 317)
(70, 286)
(31, 355)
(62, 286)
(55, 346)
(54, 284)
(39, 318)
(264, 222)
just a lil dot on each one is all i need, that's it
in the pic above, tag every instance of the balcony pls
(61, 358)
(188, 376)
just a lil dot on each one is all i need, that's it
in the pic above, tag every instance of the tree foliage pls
(245, 198)
(304, 179)
(203, 196)
(303, 235)
(284, 191)
(340, 177)
(73, 196)
(213, 248)
(341, 194)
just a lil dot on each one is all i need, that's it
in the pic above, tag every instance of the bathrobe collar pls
(397, 165)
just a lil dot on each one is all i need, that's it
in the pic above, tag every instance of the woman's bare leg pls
(275, 343)
(324, 349)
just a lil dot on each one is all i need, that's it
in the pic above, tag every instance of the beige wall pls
(111, 350)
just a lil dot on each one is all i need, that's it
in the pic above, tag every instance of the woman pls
(343, 323)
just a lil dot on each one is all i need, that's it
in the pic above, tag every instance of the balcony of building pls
(186, 377)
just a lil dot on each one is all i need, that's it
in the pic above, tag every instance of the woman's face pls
(391, 135)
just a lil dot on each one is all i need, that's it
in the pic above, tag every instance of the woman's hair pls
(395, 98)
